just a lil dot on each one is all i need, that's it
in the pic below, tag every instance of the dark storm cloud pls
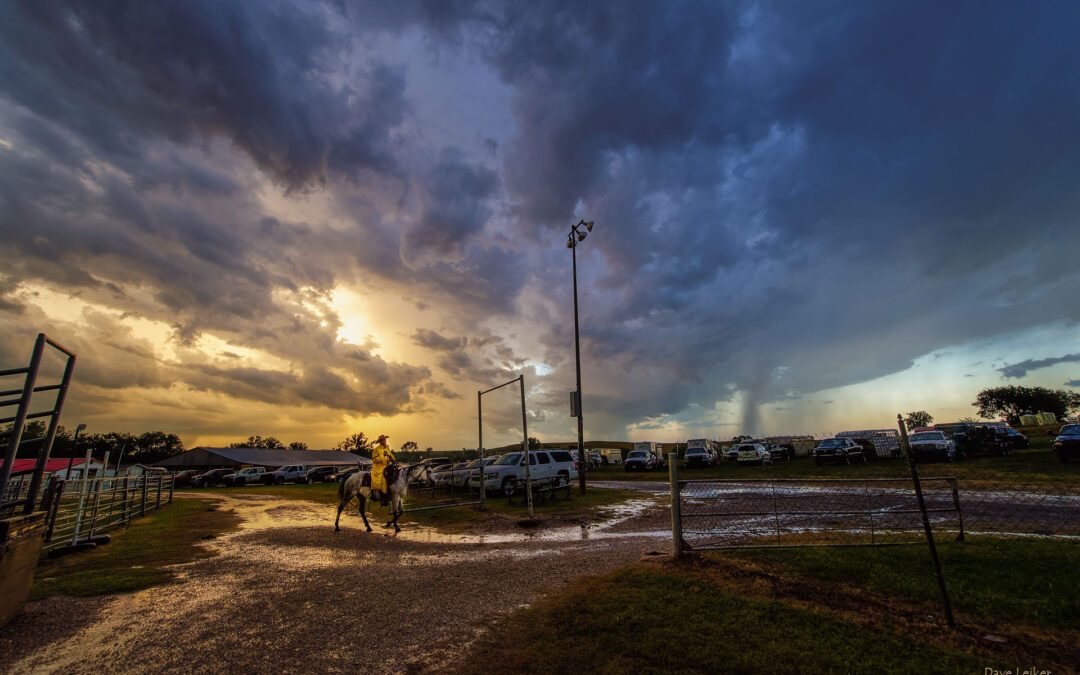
(1073, 383)
(1018, 370)
(454, 207)
(255, 74)
(854, 186)
(433, 340)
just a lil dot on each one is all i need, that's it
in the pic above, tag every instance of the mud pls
(288, 594)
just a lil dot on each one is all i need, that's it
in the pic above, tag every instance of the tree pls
(153, 446)
(1014, 401)
(358, 443)
(409, 446)
(741, 437)
(919, 418)
(257, 441)
(534, 443)
(298, 445)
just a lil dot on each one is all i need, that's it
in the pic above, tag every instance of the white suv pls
(543, 464)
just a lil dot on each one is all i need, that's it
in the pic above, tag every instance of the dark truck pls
(977, 440)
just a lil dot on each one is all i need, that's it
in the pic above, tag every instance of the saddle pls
(391, 474)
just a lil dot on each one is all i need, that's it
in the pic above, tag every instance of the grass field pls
(138, 554)
(653, 619)
(1017, 580)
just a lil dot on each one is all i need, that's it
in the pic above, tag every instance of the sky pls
(308, 219)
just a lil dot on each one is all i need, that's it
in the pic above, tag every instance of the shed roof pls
(205, 456)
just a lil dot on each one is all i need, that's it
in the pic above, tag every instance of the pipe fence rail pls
(81, 509)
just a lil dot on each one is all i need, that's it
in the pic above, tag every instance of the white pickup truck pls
(250, 474)
(543, 465)
(294, 473)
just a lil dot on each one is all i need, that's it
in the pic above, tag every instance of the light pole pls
(576, 236)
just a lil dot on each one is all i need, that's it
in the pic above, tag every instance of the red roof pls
(27, 465)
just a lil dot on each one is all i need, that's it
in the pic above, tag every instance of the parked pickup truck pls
(250, 474)
(290, 473)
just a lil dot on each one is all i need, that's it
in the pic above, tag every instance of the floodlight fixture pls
(581, 236)
(589, 224)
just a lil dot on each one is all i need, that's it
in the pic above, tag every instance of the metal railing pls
(78, 510)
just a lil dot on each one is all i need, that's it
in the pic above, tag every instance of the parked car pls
(453, 476)
(211, 478)
(290, 473)
(845, 450)
(343, 474)
(543, 464)
(1016, 439)
(697, 456)
(250, 474)
(930, 446)
(752, 453)
(184, 478)
(640, 460)
(1067, 443)
(321, 474)
(778, 452)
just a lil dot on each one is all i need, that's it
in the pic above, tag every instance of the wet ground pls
(288, 594)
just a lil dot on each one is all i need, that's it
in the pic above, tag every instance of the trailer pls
(878, 443)
(710, 447)
(797, 446)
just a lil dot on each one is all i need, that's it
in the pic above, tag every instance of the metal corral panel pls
(224, 457)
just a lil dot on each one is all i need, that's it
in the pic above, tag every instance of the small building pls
(220, 458)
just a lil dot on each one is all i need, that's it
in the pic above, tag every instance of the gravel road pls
(287, 594)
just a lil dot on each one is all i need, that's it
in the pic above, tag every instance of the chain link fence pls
(739, 513)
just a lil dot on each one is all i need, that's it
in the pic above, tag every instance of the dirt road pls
(287, 594)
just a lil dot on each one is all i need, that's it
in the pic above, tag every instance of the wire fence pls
(739, 513)
(79, 510)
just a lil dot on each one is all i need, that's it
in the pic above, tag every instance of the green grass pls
(663, 620)
(1035, 465)
(1035, 582)
(447, 520)
(137, 555)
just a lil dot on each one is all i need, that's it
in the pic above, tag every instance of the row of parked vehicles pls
(258, 475)
(504, 473)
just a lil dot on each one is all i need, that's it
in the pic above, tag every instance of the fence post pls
(54, 510)
(956, 503)
(159, 477)
(97, 500)
(926, 524)
(172, 484)
(676, 511)
(142, 503)
(124, 507)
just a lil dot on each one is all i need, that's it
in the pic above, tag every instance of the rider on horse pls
(381, 458)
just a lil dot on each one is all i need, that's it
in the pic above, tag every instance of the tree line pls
(145, 448)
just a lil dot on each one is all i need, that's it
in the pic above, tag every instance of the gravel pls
(288, 594)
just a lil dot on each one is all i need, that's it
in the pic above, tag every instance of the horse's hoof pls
(369, 529)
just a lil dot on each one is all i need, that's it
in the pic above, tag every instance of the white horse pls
(359, 485)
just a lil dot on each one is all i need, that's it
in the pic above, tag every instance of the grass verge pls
(1026, 581)
(136, 556)
(663, 619)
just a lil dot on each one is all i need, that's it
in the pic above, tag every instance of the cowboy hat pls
(382, 437)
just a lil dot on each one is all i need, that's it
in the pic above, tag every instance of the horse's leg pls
(340, 508)
(363, 502)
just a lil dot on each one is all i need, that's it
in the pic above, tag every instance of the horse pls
(359, 485)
